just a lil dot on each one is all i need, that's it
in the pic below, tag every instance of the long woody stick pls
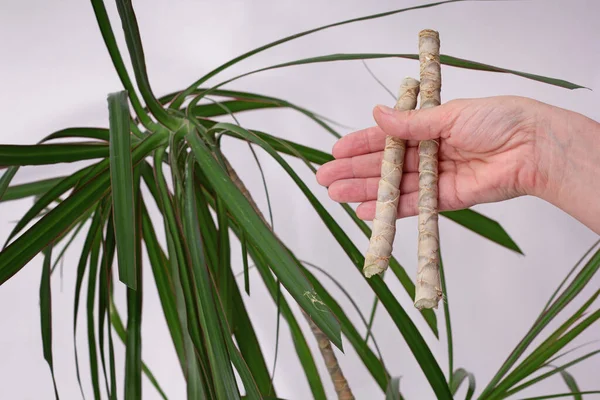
(388, 193)
(428, 289)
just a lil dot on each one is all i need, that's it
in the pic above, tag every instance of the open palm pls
(487, 153)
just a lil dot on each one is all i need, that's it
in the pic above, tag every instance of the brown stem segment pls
(388, 194)
(333, 367)
(428, 289)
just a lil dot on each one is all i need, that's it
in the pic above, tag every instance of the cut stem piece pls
(388, 193)
(428, 289)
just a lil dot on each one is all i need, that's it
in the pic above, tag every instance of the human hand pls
(487, 153)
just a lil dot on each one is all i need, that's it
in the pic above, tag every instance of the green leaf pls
(302, 349)
(459, 377)
(61, 218)
(244, 243)
(115, 55)
(53, 194)
(44, 154)
(578, 283)
(117, 324)
(261, 235)
(405, 325)
(232, 106)
(393, 390)
(105, 274)
(79, 132)
(571, 384)
(199, 384)
(91, 295)
(446, 305)
(556, 396)
(93, 231)
(181, 97)
(46, 314)
(121, 177)
(136, 52)
(218, 354)
(240, 324)
(164, 284)
(484, 226)
(36, 188)
(224, 267)
(444, 59)
(554, 371)
(133, 347)
(7, 176)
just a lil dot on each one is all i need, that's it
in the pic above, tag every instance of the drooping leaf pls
(133, 346)
(117, 324)
(46, 315)
(570, 292)
(483, 226)
(80, 133)
(405, 325)
(5, 180)
(59, 219)
(444, 59)
(261, 235)
(121, 182)
(91, 296)
(181, 96)
(213, 332)
(459, 377)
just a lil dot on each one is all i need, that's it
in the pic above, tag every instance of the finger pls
(425, 124)
(365, 166)
(362, 190)
(365, 141)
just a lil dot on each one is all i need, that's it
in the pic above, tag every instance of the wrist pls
(567, 158)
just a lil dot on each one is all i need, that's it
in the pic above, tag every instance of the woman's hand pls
(487, 153)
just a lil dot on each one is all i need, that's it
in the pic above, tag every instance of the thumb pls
(412, 125)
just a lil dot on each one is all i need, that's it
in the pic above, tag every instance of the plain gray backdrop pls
(56, 73)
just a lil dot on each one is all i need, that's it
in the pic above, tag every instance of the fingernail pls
(385, 109)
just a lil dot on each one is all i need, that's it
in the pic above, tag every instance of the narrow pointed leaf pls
(570, 292)
(44, 154)
(29, 189)
(459, 377)
(91, 329)
(136, 52)
(181, 97)
(115, 55)
(483, 226)
(121, 182)
(79, 132)
(5, 180)
(133, 347)
(117, 324)
(444, 59)
(261, 235)
(213, 333)
(556, 396)
(46, 315)
(405, 325)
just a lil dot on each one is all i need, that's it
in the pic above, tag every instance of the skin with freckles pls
(491, 149)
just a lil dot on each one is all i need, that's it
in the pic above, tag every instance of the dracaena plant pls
(171, 146)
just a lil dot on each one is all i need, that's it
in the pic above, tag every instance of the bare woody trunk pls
(335, 372)
(428, 291)
(388, 193)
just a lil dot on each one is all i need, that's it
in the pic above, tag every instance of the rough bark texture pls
(428, 290)
(388, 193)
(335, 372)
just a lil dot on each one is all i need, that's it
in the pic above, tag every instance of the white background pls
(55, 73)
